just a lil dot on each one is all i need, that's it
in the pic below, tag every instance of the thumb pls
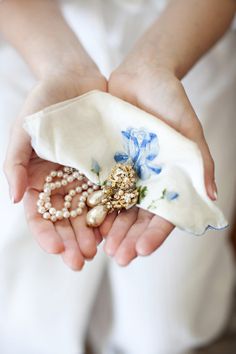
(209, 168)
(194, 131)
(16, 163)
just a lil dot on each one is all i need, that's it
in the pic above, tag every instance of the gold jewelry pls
(118, 192)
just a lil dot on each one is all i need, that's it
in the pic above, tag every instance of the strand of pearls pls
(63, 178)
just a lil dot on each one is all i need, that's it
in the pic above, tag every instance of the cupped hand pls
(157, 91)
(26, 172)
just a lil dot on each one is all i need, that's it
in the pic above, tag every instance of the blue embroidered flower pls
(171, 195)
(141, 148)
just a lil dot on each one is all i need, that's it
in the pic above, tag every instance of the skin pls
(154, 68)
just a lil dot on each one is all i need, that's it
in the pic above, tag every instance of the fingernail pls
(215, 195)
(12, 198)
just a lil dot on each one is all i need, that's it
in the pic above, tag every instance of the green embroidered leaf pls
(163, 193)
(153, 204)
(142, 190)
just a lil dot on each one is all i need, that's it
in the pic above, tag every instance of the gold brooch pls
(119, 191)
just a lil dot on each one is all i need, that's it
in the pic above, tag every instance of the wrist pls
(64, 61)
(144, 60)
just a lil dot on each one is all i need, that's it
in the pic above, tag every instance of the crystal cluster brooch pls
(119, 191)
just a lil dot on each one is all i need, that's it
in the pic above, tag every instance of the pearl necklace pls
(119, 191)
(64, 177)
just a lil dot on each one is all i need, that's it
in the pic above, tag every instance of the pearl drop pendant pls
(96, 215)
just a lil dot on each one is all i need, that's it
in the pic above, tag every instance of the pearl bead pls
(64, 182)
(82, 198)
(47, 199)
(78, 189)
(79, 211)
(65, 176)
(67, 169)
(46, 215)
(70, 179)
(90, 190)
(59, 174)
(64, 209)
(48, 179)
(85, 194)
(48, 205)
(67, 205)
(53, 173)
(42, 196)
(40, 202)
(81, 204)
(52, 186)
(89, 183)
(68, 198)
(73, 213)
(58, 184)
(95, 187)
(75, 174)
(53, 218)
(59, 215)
(72, 192)
(80, 178)
(66, 214)
(41, 210)
(46, 185)
(47, 191)
(84, 186)
(52, 211)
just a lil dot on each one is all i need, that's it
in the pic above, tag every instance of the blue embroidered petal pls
(171, 195)
(121, 157)
(155, 169)
(134, 149)
(126, 133)
(154, 144)
(95, 167)
(151, 157)
(143, 172)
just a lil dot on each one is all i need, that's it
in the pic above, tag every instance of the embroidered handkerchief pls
(94, 131)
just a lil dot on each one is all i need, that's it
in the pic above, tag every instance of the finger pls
(119, 229)
(107, 224)
(98, 235)
(43, 230)
(193, 130)
(16, 162)
(126, 252)
(209, 170)
(72, 255)
(155, 234)
(85, 236)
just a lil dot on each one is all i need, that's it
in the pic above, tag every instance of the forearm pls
(39, 32)
(184, 32)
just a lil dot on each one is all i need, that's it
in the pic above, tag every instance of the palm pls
(70, 237)
(139, 232)
(136, 231)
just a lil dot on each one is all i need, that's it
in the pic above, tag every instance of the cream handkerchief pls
(94, 131)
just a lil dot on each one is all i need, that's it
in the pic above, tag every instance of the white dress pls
(167, 303)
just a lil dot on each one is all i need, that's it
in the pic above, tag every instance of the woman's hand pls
(157, 91)
(26, 172)
(149, 78)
